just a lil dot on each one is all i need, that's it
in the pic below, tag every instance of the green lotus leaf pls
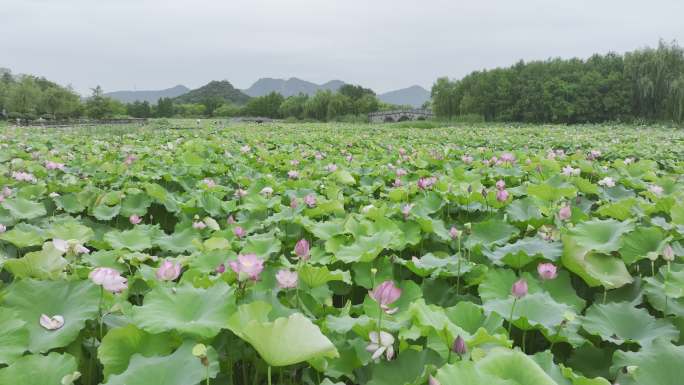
(644, 242)
(431, 265)
(621, 322)
(263, 245)
(620, 210)
(315, 276)
(210, 204)
(660, 363)
(76, 301)
(602, 236)
(499, 367)
(524, 251)
(178, 242)
(531, 311)
(409, 368)
(665, 291)
(47, 263)
(550, 193)
(364, 249)
(179, 368)
(284, 341)
(137, 239)
(188, 310)
(120, 344)
(135, 204)
(344, 177)
(563, 375)
(595, 268)
(39, 370)
(24, 235)
(21, 208)
(490, 233)
(14, 337)
(162, 196)
(523, 210)
(71, 203)
(71, 230)
(104, 212)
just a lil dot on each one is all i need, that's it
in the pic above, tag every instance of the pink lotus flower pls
(245, 149)
(332, 167)
(109, 279)
(302, 249)
(292, 174)
(310, 200)
(199, 225)
(287, 279)
(134, 219)
(507, 158)
(239, 193)
(130, 159)
(54, 165)
(349, 158)
(294, 162)
(397, 183)
(3, 228)
(230, 220)
(607, 182)
(594, 154)
(239, 232)
(293, 203)
(24, 177)
(381, 343)
(401, 172)
(564, 213)
(454, 233)
(209, 182)
(519, 288)
(655, 189)
(569, 171)
(668, 253)
(467, 159)
(319, 155)
(247, 266)
(72, 246)
(51, 323)
(406, 210)
(547, 271)
(502, 195)
(220, 269)
(268, 191)
(433, 381)
(6, 191)
(168, 271)
(385, 294)
(500, 184)
(426, 183)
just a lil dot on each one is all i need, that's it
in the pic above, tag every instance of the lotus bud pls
(454, 233)
(502, 195)
(564, 213)
(459, 346)
(134, 219)
(385, 294)
(3, 228)
(302, 249)
(310, 200)
(239, 232)
(519, 288)
(668, 253)
(547, 271)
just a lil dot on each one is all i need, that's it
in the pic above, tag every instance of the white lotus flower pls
(607, 182)
(382, 344)
(51, 323)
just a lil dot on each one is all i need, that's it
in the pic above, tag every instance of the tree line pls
(645, 84)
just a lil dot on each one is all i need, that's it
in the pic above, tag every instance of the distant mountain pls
(221, 89)
(414, 96)
(147, 96)
(289, 87)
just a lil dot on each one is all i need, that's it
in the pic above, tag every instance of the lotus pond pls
(342, 254)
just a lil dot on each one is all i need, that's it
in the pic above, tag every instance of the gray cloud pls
(383, 44)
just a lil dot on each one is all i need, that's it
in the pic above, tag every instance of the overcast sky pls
(382, 44)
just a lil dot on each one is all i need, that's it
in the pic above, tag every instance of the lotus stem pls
(510, 318)
(269, 375)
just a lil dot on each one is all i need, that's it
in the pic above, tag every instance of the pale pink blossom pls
(50, 165)
(247, 266)
(500, 184)
(454, 233)
(287, 279)
(332, 167)
(239, 232)
(547, 271)
(607, 182)
(209, 182)
(134, 219)
(109, 279)
(519, 288)
(293, 174)
(501, 195)
(199, 225)
(239, 193)
(310, 200)
(406, 210)
(51, 323)
(302, 249)
(268, 191)
(385, 294)
(655, 189)
(3, 228)
(564, 213)
(168, 270)
(467, 159)
(381, 343)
